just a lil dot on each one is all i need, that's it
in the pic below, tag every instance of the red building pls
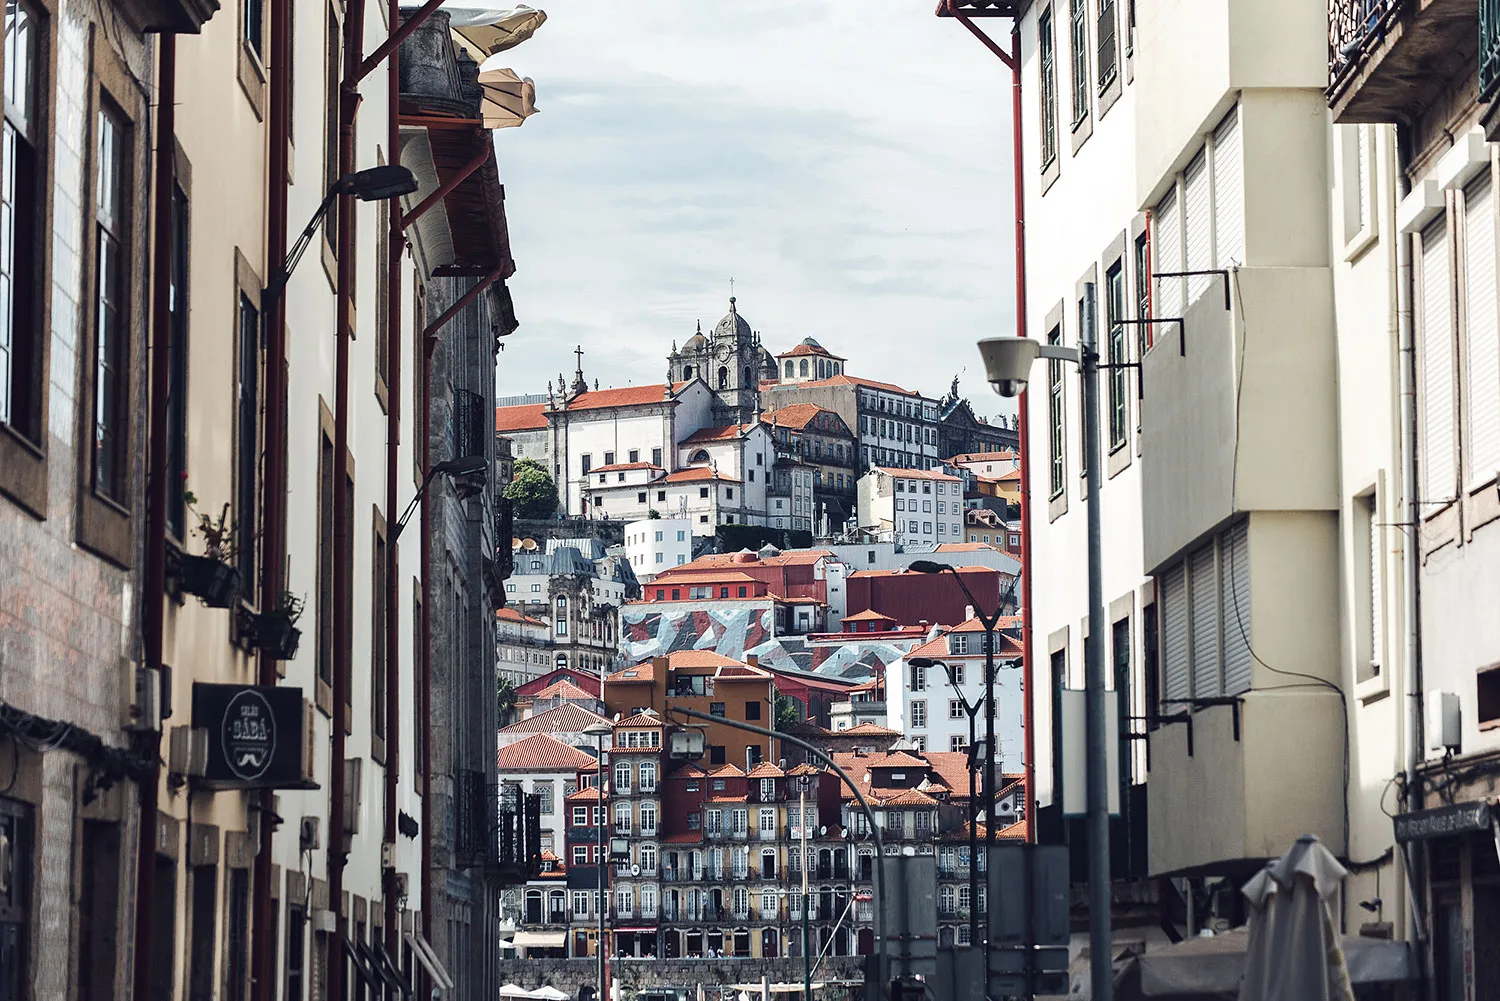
(909, 597)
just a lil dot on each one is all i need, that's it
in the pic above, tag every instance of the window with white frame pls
(767, 789)
(622, 777)
(648, 776)
(622, 818)
(767, 820)
(580, 904)
(1055, 436)
(648, 820)
(741, 822)
(647, 854)
(1079, 14)
(956, 709)
(918, 714)
(918, 678)
(1369, 596)
(625, 902)
(768, 906)
(648, 901)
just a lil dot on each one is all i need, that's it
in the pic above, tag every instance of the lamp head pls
(464, 465)
(1007, 362)
(598, 730)
(926, 566)
(375, 184)
(922, 662)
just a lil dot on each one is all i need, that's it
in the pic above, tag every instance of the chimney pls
(968, 612)
(752, 659)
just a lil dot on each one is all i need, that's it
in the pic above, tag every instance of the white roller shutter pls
(1229, 193)
(1377, 588)
(1166, 240)
(1438, 440)
(1197, 224)
(1483, 331)
(1204, 614)
(1174, 636)
(1234, 598)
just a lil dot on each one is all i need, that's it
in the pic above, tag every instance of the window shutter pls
(1229, 193)
(1234, 598)
(1166, 239)
(1483, 389)
(1174, 639)
(1377, 592)
(1197, 220)
(1363, 142)
(1204, 616)
(1438, 441)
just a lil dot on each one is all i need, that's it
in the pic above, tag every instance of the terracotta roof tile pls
(695, 475)
(684, 838)
(622, 467)
(867, 730)
(511, 615)
(527, 417)
(700, 658)
(640, 720)
(916, 474)
(727, 433)
(564, 690)
(810, 349)
(637, 673)
(727, 771)
(625, 396)
(851, 380)
(541, 752)
(765, 770)
(898, 759)
(796, 415)
(566, 718)
(588, 795)
(868, 615)
(908, 797)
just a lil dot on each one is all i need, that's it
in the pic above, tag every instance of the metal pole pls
(973, 830)
(802, 781)
(599, 870)
(1100, 950)
(990, 788)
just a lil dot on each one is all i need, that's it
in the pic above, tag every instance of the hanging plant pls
(276, 631)
(213, 577)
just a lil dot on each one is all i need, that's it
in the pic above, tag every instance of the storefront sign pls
(254, 735)
(1442, 821)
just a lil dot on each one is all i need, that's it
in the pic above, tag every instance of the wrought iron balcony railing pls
(1354, 25)
(1489, 48)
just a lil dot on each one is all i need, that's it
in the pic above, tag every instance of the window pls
(561, 617)
(580, 816)
(1114, 312)
(693, 820)
(714, 821)
(1439, 436)
(716, 709)
(585, 463)
(767, 792)
(648, 829)
(622, 777)
(609, 458)
(24, 236)
(1055, 437)
(956, 671)
(1229, 193)
(956, 709)
(656, 461)
(918, 679)
(1211, 586)
(622, 818)
(741, 826)
(752, 709)
(332, 72)
(1370, 594)
(1482, 334)
(1142, 293)
(703, 492)
(379, 612)
(1109, 60)
(177, 367)
(325, 566)
(111, 438)
(1080, 61)
(1166, 239)
(919, 714)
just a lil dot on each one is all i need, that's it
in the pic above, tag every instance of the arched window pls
(560, 620)
(622, 818)
(622, 778)
(789, 368)
(648, 776)
(687, 372)
(749, 378)
(802, 366)
(723, 377)
(699, 456)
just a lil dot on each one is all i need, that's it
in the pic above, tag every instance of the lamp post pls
(802, 783)
(975, 752)
(599, 731)
(991, 782)
(1007, 362)
(462, 466)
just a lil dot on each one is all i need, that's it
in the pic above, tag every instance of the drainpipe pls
(393, 314)
(1411, 561)
(342, 556)
(273, 547)
(154, 585)
(424, 422)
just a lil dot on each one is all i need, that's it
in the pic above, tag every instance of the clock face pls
(726, 351)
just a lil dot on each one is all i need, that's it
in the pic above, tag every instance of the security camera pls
(1007, 362)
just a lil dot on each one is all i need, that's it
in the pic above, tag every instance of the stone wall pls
(573, 975)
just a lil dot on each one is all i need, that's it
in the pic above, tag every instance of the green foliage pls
(788, 712)
(653, 514)
(733, 538)
(532, 491)
(505, 699)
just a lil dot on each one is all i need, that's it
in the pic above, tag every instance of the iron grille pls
(504, 533)
(515, 852)
(1352, 26)
(1489, 47)
(469, 425)
(469, 801)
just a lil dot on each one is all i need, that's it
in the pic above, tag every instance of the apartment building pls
(894, 426)
(655, 545)
(911, 506)
(79, 714)
(522, 647)
(927, 703)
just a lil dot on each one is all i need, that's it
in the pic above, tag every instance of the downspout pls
(393, 315)
(154, 585)
(273, 546)
(342, 540)
(424, 422)
(1411, 561)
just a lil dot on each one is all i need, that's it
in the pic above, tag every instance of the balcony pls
(1389, 59)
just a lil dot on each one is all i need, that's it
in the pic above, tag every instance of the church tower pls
(732, 361)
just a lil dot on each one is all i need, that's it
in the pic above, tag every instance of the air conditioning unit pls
(387, 855)
(146, 713)
(307, 834)
(187, 754)
(1444, 722)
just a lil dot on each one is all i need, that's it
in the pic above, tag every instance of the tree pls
(788, 712)
(654, 514)
(532, 491)
(505, 700)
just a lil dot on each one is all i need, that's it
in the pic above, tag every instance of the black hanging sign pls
(254, 735)
(1442, 821)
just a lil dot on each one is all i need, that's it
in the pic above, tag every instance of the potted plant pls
(213, 577)
(276, 631)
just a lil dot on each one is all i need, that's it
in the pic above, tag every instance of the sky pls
(847, 163)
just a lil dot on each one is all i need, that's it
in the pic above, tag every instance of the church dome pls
(733, 324)
(694, 343)
(812, 343)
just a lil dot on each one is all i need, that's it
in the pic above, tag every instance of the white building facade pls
(908, 506)
(928, 706)
(656, 544)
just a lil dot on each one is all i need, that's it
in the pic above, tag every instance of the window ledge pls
(1373, 689)
(252, 80)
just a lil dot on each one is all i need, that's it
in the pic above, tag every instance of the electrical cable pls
(1310, 680)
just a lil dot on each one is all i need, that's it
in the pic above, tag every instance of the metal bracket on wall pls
(1232, 701)
(1159, 721)
(1181, 335)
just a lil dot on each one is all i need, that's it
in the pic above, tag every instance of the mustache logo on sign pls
(249, 735)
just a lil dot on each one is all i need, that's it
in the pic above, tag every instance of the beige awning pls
(484, 31)
(540, 939)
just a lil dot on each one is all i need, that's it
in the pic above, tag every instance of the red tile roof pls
(867, 730)
(684, 838)
(511, 615)
(700, 658)
(565, 690)
(909, 797)
(644, 672)
(726, 433)
(741, 672)
(915, 474)
(809, 349)
(897, 759)
(625, 396)
(985, 457)
(727, 771)
(527, 417)
(850, 380)
(868, 615)
(541, 752)
(765, 770)
(588, 795)
(695, 475)
(566, 718)
(796, 415)
(641, 720)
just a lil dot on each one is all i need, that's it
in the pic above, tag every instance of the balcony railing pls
(1353, 25)
(1489, 48)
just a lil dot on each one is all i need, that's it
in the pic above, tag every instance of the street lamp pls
(466, 465)
(1007, 363)
(974, 757)
(803, 781)
(599, 731)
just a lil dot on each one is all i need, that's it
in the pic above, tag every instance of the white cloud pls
(847, 163)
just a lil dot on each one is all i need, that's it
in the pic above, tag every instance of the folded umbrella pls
(1294, 949)
(508, 99)
(488, 30)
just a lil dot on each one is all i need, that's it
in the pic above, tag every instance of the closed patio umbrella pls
(485, 31)
(508, 99)
(1294, 949)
